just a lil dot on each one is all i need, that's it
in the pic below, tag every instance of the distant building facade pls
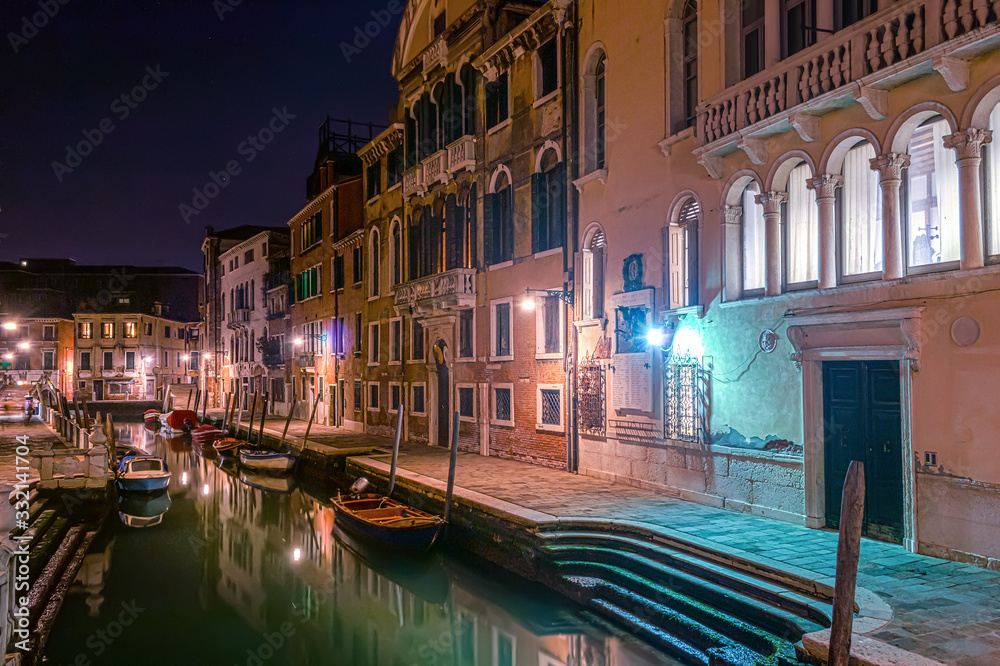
(36, 349)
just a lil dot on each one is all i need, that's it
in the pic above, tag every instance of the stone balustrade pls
(72, 468)
(449, 290)
(462, 154)
(413, 181)
(874, 50)
(436, 168)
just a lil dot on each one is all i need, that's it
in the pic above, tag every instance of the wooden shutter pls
(588, 284)
(557, 205)
(454, 233)
(539, 212)
(675, 265)
(491, 217)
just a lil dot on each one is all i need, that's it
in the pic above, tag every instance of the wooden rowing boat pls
(390, 523)
(228, 445)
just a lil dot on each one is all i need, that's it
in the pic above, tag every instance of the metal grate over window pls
(551, 407)
(682, 400)
(591, 396)
(501, 409)
(467, 402)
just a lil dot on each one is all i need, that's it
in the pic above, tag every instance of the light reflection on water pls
(235, 574)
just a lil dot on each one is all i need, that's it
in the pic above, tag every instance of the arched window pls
(801, 222)
(752, 228)
(682, 255)
(253, 296)
(595, 111)
(396, 252)
(470, 80)
(932, 224)
(223, 305)
(252, 346)
(454, 232)
(414, 244)
(440, 101)
(498, 228)
(689, 30)
(432, 236)
(548, 203)
(593, 274)
(468, 250)
(860, 214)
(991, 169)
(373, 265)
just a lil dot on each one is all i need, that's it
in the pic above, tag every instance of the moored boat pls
(179, 420)
(206, 433)
(142, 474)
(388, 522)
(268, 461)
(151, 416)
(228, 445)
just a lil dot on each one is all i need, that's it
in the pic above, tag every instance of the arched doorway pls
(440, 352)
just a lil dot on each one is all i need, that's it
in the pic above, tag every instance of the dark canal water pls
(233, 573)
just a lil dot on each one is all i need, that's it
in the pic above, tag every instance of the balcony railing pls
(436, 168)
(449, 290)
(307, 360)
(876, 53)
(239, 317)
(462, 154)
(413, 181)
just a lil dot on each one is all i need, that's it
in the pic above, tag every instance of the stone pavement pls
(12, 426)
(942, 610)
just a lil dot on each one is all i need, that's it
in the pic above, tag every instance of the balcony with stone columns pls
(858, 64)
(436, 168)
(462, 154)
(413, 181)
(451, 290)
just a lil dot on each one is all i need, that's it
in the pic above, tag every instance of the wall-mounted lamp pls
(564, 295)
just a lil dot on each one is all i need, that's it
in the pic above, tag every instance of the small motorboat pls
(151, 416)
(268, 461)
(206, 433)
(179, 420)
(385, 521)
(228, 445)
(142, 474)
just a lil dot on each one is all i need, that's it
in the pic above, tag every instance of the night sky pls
(214, 74)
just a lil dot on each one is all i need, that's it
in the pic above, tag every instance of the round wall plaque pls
(768, 341)
(965, 331)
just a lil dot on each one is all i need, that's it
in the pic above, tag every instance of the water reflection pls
(244, 569)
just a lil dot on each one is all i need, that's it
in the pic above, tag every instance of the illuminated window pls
(131, 329)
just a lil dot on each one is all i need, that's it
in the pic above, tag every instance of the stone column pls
(825, 185)
(890, 168)
(968, 146)
(732, 251)
(771, 201)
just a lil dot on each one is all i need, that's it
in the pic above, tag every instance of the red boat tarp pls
(182, 419)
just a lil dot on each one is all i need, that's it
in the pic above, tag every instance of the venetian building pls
(484, 220)
(808, 196)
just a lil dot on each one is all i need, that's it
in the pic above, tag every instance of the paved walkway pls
(942, 610)
(12, 426)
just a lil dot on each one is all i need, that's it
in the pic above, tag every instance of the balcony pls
(239, 318)
(462, 154)
(413, 181)
(450, 290)
(858, 64)
(436, 168)
(435, 55)
(307, 360)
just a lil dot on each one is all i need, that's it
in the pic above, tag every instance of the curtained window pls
(801, 228)
(992, 183)
(932, 226)
(753, 240)
(861, 213)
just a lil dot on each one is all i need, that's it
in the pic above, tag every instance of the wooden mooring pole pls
(852, 510)
(395, 451)
(452, 463)
(288, 419)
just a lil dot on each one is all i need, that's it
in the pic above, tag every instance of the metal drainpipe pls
(569, 103)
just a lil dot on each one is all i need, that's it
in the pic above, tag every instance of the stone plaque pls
(632, 382)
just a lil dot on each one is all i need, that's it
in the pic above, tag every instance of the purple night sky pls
(210, 84)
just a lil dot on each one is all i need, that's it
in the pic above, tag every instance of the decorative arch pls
(546, 147)
(783, 166)
(594, 258)
(833, 157)
(899, 134)
(496, 176)
(374, 269)
(407, 31)
(980, 106)
(594, 53)
(733, 191)
(679, 201)
(588, 233)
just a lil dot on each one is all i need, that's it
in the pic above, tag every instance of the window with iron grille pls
(277, 390)
(501, 329)
(467, 402)
(590, 391)
(683, 400)
(417, 399)
(465, 345)
(550, 412)
(502, 404)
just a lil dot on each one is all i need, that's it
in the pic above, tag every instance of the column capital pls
(771, 201)
(732, 215)
(825, 185)
(968, 143)
(890, 165)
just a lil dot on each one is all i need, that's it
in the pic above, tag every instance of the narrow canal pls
(230, 568)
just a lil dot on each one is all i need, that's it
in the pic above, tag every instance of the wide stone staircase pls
(699, 605)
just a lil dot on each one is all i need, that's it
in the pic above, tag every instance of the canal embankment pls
(550, 525)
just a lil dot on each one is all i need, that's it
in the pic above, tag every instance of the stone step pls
(39, 524)
(815, 613)
(44, 547)
(43, 584)
(659, 601)
(58, 593)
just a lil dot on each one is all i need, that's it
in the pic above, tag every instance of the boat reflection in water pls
(143, 510)
(240, 572)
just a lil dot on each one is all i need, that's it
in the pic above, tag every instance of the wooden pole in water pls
(263, 415)
(451, 471)
(76, 411)
(305, 438)
(197, 399)
(86, 414)
(852, 510)
(253, 411)
(112, 447)
(395, 451)
(187, 405)
(288, 418)
(234, 397)
(204, 409)
(239, 418)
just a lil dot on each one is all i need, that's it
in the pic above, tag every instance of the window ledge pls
(424, 414)
(392, 187)
(667, 144)
(373, 298)
(502, 264)
(546, 98)
(499, 126)
(373, 364)
(550, 356)
(395, 363)
(696, 310)
(306, 300)
(496, 359)
(505, 424)
(549, 428)
(585, 323)
(467, 419)
(547, 253)
(374, 409)
(465, 359)
(596, 174)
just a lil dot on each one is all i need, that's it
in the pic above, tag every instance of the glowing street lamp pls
(656, 336)
(9, 326)
(297, 342)
(564, 295)
(24, 345)
(8, 356)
